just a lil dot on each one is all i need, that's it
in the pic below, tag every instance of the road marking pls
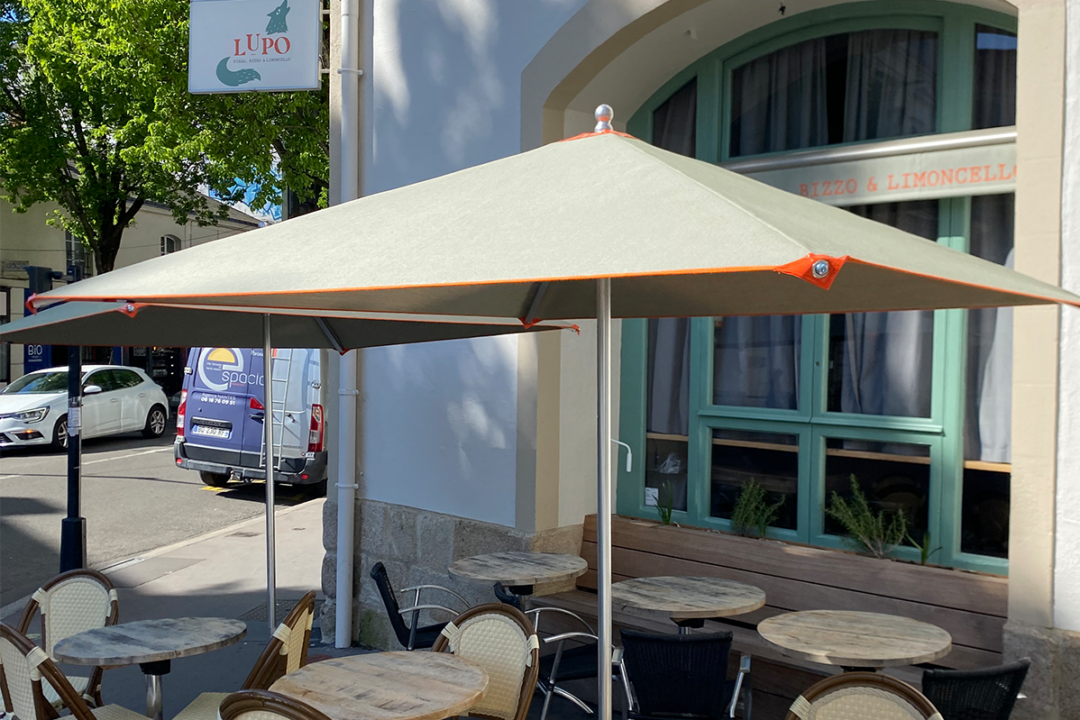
(213, 489)
(129, 455)
(108, 459)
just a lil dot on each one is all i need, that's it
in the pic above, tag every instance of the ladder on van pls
(280, 389)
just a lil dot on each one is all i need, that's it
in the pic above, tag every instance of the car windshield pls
(41, 382)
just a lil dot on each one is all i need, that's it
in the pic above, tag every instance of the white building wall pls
(1067, 530)
(439, 425)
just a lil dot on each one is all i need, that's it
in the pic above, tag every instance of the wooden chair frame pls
(71, 697)
(532, 670)
(93, 685)
(245, 701)
(272, 664)
(875, 681)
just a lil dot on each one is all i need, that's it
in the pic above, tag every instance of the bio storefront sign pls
(254, 45)
(957, 172)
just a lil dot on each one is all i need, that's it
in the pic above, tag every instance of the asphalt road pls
(134, 499)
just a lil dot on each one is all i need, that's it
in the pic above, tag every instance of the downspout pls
(355, 31)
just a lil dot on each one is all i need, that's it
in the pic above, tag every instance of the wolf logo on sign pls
(277, 17)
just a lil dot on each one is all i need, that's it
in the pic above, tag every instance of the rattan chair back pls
(985, 694)
(500, 639)
(677, 675)
(266, 705)
(70, 603)
(23, 668)
(288, 648)
(862, 695)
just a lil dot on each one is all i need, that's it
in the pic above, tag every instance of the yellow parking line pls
(213, 489)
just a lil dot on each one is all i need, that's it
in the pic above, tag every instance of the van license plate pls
(211, 431)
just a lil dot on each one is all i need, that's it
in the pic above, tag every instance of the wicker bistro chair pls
(412, 636)
(684, 676)
(985, 694)
(287, 651)
(860, 696)
(266, 705)
(502, 641)
(70, 603)
(25, 671)
(578, 661)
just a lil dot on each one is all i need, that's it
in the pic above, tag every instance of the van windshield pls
(40, 383)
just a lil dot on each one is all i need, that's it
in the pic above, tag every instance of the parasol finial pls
(603, 114)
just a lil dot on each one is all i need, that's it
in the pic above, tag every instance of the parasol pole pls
(603, 500)
(268, 456)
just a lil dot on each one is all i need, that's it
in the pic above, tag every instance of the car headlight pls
(27, 416)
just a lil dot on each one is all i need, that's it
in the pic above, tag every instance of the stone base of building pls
(417, 547)
(1052, 688)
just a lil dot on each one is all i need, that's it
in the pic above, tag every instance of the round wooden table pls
(150, 644)
(855, 640)
(388, 686)
(687, 601)
(519, 571)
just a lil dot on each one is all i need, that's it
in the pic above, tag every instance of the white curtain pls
(779, 101)
(891, 84)
(667, 393)
(756, 361)
(887, 362)
(988, 406)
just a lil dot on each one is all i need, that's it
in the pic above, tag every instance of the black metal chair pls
(985, 694)
(412, 636)
(574, 662)
(506, 597)
(684, 676)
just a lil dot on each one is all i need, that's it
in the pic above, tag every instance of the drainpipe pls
(354, 149)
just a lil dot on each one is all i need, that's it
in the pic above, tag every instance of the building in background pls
(27, 240)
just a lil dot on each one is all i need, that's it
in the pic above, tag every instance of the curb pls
(115, 564)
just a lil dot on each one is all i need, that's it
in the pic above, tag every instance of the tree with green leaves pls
(95, 116)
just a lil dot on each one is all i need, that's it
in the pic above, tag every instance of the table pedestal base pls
(685, 626)
(523, 592)
(154, 672)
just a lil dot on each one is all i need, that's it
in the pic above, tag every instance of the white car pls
(116, 399)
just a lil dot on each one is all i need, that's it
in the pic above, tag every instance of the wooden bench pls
(970, 606)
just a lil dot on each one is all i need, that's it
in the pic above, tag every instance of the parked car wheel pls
(214, 479)
(156, 420)
(59, 434)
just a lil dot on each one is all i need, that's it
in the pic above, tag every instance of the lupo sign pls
(254, 45)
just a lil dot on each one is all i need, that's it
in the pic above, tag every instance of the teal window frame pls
(812, 423)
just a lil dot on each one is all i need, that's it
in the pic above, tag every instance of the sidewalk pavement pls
(221, 574)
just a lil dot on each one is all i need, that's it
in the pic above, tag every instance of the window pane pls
(985, 516)
(994, 94)
(667, 382)
(882, 363)
(665, 471)
(772, 459)
(842, 88)
(675, 122)
(892, 476)
(988, 405)
(756, 361)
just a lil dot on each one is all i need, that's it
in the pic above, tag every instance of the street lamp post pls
(73, 527)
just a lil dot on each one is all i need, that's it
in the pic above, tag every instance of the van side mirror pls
(91, 389)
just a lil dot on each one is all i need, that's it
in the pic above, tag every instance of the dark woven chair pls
(986, 694)
(684, 676)
(412, 636)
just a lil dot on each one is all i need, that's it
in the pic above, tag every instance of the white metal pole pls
(268, 442)
(346, 444)
(603, 500)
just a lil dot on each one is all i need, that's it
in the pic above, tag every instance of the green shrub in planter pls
(753, 513)
(873, 533)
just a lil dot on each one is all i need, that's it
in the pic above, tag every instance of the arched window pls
(169, 244)
(833, 104)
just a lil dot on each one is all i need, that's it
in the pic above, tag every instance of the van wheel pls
(214, 479)
(60, 435)
(155, 422)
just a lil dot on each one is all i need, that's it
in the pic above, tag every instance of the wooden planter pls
(970, 606)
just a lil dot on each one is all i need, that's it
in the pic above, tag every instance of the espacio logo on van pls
(221, 368)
